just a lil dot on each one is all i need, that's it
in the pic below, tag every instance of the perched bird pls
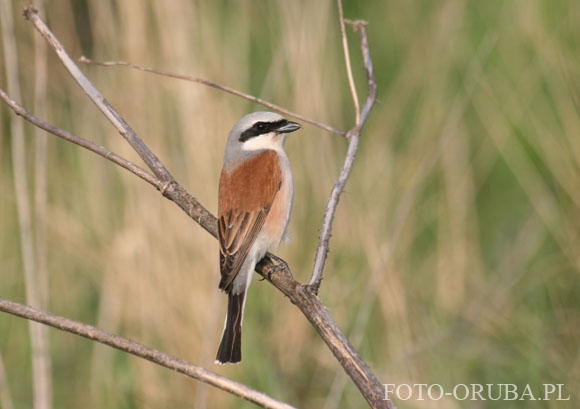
(254, 205)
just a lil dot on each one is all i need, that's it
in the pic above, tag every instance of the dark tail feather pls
(230, 349)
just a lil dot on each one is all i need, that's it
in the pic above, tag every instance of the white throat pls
(270, 140)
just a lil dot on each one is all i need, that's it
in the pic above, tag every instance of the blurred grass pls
(454, 256)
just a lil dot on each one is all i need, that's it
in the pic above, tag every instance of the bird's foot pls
(278, 265)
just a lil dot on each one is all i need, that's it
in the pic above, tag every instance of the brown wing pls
(246, 193)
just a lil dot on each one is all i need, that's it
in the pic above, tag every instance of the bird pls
(255, 195)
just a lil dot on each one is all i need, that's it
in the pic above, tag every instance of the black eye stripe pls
(260, 128)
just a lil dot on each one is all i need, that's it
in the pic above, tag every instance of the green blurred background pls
(455, 254)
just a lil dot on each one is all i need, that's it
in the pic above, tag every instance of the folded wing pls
(246, 194)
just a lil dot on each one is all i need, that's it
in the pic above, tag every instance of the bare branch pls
(347, 61)
(169, 188)
(353, 137)
(224, 88)
(304, 298)
(124, 129)
(142, 351)
(93, 147)
(361, 27)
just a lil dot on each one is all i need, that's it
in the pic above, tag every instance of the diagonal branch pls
(93, 147)
(106, 108)
(221, 87)
(304, 298)
(142, 351)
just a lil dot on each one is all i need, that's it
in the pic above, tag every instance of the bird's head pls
(258, 131)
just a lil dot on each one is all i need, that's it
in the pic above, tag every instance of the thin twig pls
(93, 147)
(224, 88)
(347, 61)
(38, 334)
(361, 27)
(142, 351)
(326, 229)
(106, 108)
(353, 137)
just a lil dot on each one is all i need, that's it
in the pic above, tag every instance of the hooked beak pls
(288, 127)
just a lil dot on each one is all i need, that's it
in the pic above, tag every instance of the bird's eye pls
(261, 126)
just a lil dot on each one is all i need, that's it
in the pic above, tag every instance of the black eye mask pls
(260, 128)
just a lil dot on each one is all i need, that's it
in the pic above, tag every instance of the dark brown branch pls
(142, 351)
(224, 88)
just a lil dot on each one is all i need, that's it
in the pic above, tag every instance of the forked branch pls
(353, 137)
(93, 147)
(303, 296)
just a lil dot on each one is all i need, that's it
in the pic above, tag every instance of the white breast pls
(279, 215)
(286, 190)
